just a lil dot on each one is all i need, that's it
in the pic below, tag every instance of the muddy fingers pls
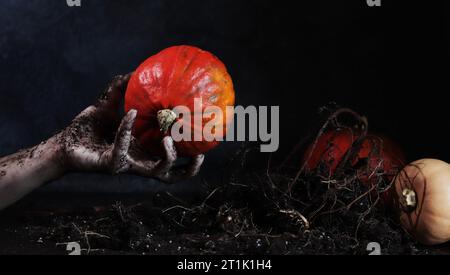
(122, 143)
(164, 166)
(115, 91)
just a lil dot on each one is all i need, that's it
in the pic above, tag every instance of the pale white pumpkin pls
(423, 198)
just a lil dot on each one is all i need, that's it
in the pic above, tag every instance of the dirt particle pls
(2, 173)
(31, 153)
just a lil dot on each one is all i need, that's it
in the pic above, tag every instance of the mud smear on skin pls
(79, 134)
(18, 158)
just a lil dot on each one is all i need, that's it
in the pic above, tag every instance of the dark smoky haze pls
(389, 63)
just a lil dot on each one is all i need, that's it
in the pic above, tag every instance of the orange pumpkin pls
(175, 77)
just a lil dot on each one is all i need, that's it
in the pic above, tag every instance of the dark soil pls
(268, 209)
(234, 219)
(247, 215)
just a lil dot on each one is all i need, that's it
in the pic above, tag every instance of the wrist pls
(54, 154)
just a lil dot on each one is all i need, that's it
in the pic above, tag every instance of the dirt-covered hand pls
(98, 139)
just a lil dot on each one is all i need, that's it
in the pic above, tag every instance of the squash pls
(423, 200)
(376, 161)
(329, 151)
(376, 152)
(175, 77)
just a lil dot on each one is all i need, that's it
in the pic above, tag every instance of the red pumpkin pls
(376, 155)
(382, 154)
(329, 151)
(175, 77)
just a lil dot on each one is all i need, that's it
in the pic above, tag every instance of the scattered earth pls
(272, 208)
(247, 215)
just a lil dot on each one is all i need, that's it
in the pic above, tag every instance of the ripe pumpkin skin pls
(330, 149)
(428, 220)
(333, 145)
(174, 77)
(377, 150)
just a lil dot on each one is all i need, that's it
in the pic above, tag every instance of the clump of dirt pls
(278, 209)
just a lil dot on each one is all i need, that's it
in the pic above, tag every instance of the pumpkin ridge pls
(172, 81)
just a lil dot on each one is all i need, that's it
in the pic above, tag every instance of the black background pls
(389, 63)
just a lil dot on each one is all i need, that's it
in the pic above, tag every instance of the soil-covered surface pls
(274, 208)
(250, 214)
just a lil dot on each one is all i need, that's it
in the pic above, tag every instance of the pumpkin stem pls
(409, 199)
(166, 118)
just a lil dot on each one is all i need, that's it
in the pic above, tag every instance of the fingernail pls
(132, 113)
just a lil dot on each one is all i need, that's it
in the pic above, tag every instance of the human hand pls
(98, 139)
